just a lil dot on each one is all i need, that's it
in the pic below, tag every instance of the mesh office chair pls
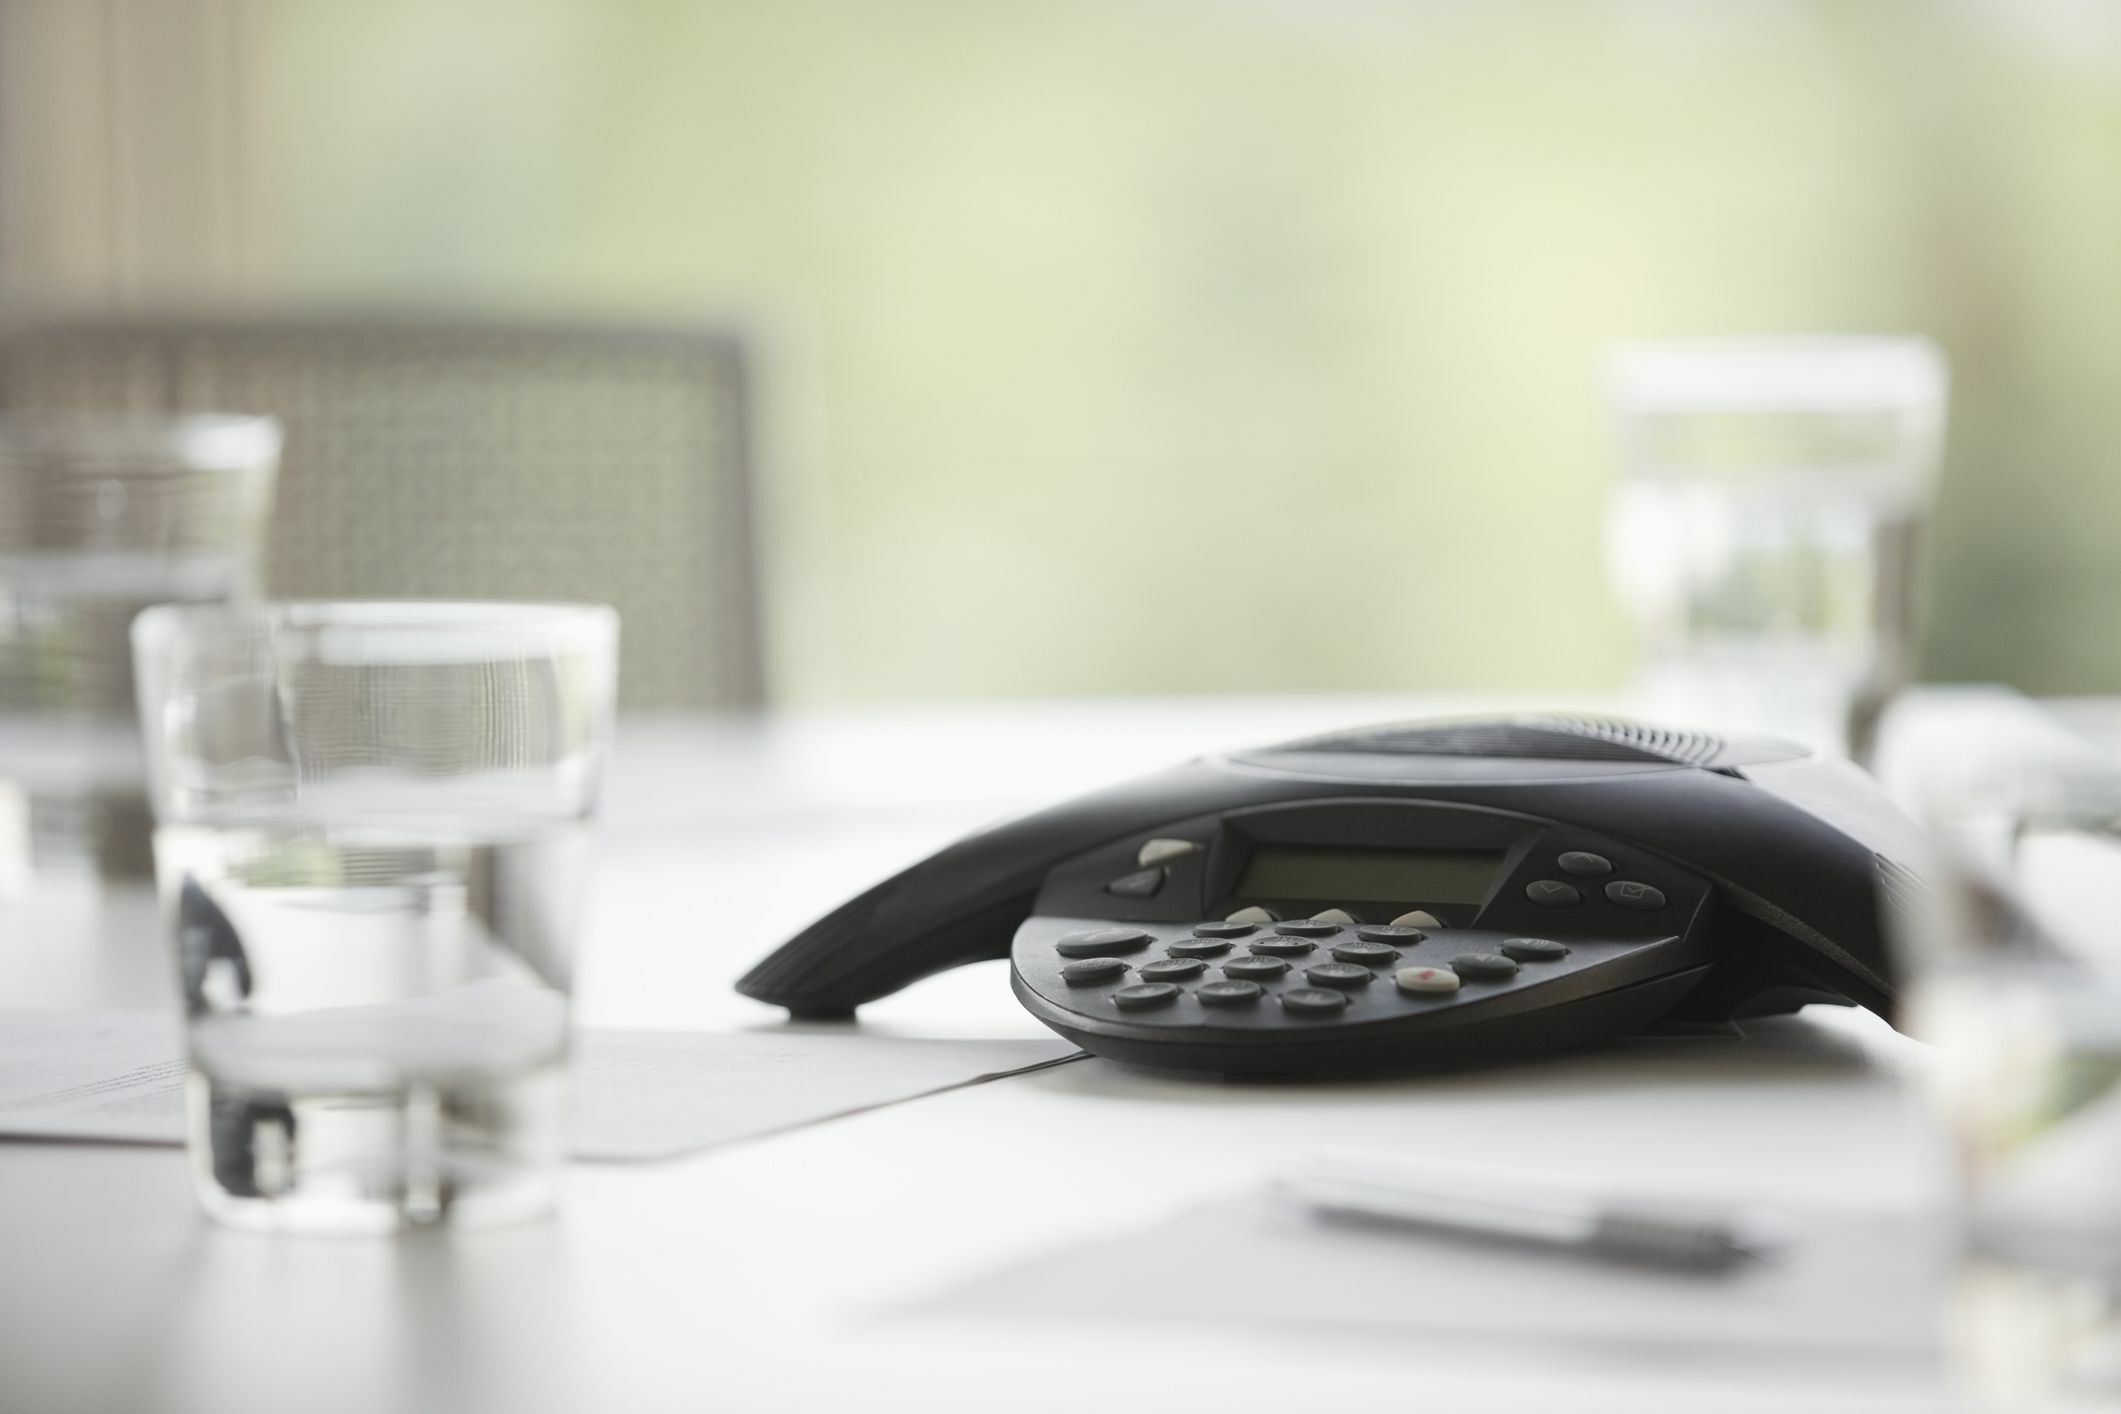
(506, 462)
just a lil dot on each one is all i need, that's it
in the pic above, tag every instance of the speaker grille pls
(1901, 894)
(1553, 736)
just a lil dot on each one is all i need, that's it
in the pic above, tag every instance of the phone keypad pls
(1180, 972)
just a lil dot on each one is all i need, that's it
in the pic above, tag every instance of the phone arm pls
(964, 904)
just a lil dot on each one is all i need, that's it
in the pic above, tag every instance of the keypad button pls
(1389, 933)
(1255, 969)
(1144, 995)
(1155, 852)
(1283, 947)
(1419, 918)
(1306, 928)
(1339, 917)
(1552, 893)
(1629, 894)
(1229, 993)
(1526, 950)
(1172, 969)
(1484, 966)
(1198, 947)
(1252, 914)
(1141, 884)
(1338, 974)
(1426, 981)
(1373, 954)
(1584, 864)
(1224, 930)
(1314, 1001)
(1093, 970)
(1102, 942)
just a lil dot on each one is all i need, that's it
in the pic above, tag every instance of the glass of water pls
(1765, 528)
(2013, 973)
(371, 844)
(102, 515)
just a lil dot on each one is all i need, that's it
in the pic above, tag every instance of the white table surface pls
(780, 1274)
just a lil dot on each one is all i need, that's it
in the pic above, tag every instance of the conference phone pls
(1405, 895)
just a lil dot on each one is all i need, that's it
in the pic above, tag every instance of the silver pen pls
(1619, 1233)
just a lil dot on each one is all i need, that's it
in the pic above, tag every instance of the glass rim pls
(161, 442)
(595, 624)
(1777, 372)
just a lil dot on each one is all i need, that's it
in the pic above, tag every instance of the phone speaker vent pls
(1901, 898)
(1556, 737)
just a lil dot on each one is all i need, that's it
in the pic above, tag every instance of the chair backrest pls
(484, 462)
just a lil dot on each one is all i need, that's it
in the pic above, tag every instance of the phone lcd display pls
(1369, 876)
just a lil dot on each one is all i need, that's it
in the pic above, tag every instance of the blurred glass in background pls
(1161, 346)
(1765, 528)
(99, 518)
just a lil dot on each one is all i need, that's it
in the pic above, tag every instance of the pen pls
(1612, 1233)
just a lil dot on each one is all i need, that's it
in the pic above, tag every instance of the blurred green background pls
(1122, 346)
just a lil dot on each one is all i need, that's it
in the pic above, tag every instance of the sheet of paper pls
(1851, 1290)
(110, 1075)
(119, 1077)
(653, 1094)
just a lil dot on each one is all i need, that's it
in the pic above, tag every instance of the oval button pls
(1629, 894)
(1143, 995)
(1313, 1001)
(1155, 852)
(1102, 942)
(1426, 981)
(1143, 883)
(1093, 970)
(1338, 974)
(1553, 893)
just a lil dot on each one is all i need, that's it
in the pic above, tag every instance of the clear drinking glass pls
(101, 516)
(371, 844)
(1765, 529)
(2012, 961)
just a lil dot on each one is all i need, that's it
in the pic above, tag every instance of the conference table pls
(968, 1250)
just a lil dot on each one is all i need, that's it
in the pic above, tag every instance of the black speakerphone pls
(1404, 895)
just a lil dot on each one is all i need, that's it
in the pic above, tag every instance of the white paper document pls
(119, 1077)
(1851, 1291)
